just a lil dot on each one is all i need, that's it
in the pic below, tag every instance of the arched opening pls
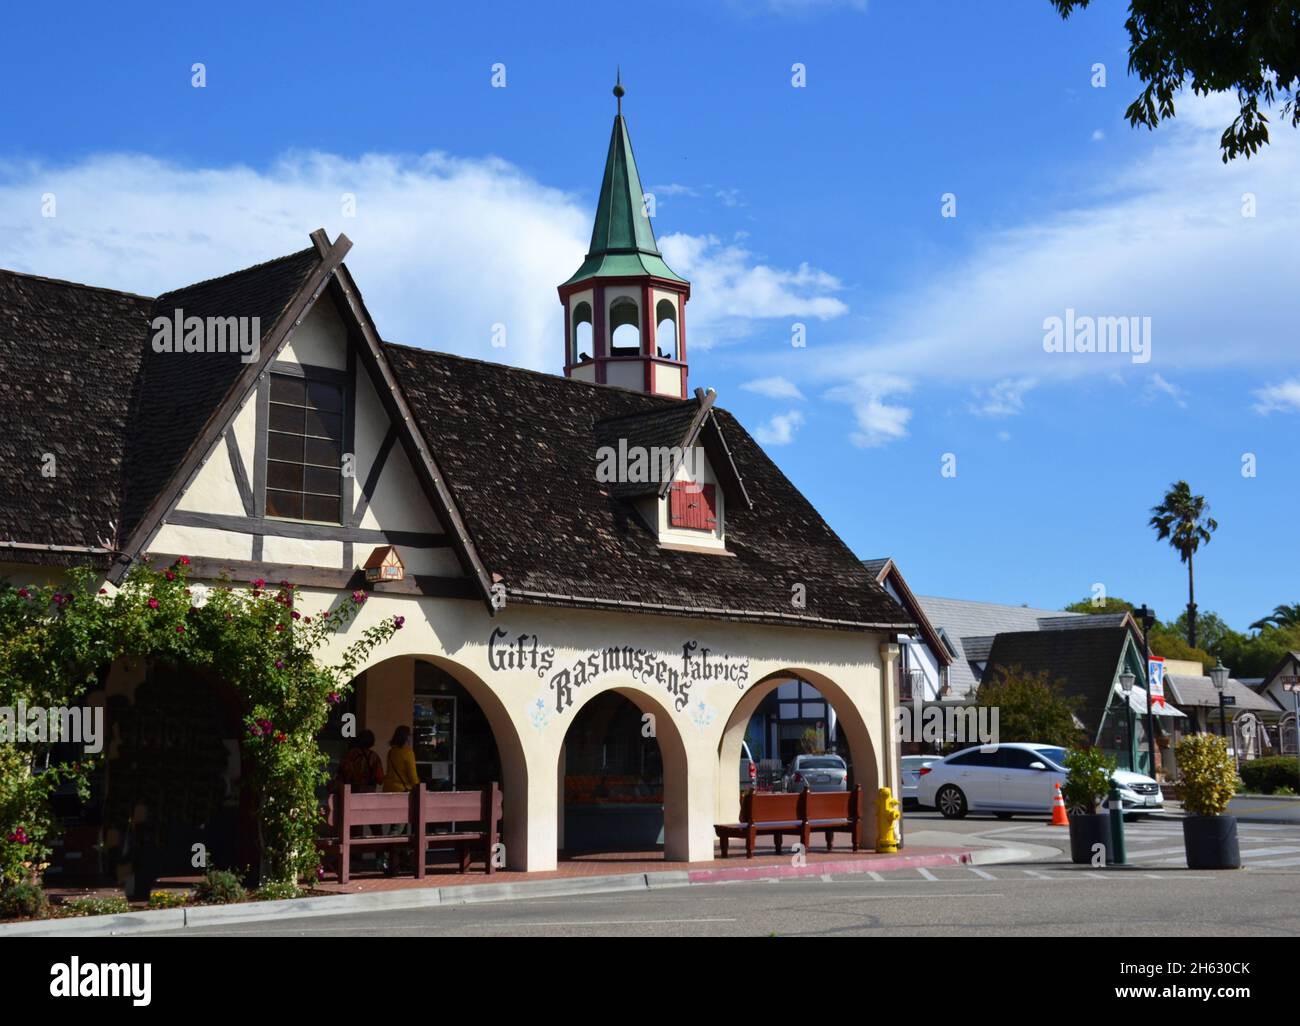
(461, 735)
(666, 342)
(624, 327)
(622, 775)
(837, 727)
(580, 345)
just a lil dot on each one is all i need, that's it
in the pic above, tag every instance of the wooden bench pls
(802, 814)
(829, 811)
(776, 814)
(417, 810)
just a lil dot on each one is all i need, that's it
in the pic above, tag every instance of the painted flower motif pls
(153, 603)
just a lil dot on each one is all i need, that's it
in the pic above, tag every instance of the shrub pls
(1088, 782)
(276, 890)
(24, 901)
(219, 887)
(1209, 775)
(1267, 776)
(113, 906)
(168, 899)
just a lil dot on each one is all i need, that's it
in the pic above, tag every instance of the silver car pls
(817, 773)
(911, 773)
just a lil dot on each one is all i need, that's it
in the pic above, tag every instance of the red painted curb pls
(885, 863)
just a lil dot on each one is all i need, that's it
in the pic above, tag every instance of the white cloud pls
(431, 236)
(877, 421)
(1158, 387)
(729, 292)
(1004, 398)
(1098, 135)
(1284, 397)
(1162, 236)
(774, 388)
(780, 429)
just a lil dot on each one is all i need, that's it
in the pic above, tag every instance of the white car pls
(1015, 777)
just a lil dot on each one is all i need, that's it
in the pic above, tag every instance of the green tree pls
(1030, 707)
(1251, 47)
(1282, 616)
(1184, 519)
(1258, 655)
(1210, 630)
(1110, 604)
(1167, 640)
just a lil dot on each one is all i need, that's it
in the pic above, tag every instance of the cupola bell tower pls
(624, 308)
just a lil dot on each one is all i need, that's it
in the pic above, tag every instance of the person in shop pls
(401, 777)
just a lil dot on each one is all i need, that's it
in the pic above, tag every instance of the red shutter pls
(692, 506)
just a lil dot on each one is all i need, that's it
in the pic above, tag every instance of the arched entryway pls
(854, 738)
(462, 736)
(622, 780)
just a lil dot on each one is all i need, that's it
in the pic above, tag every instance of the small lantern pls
(384, 564)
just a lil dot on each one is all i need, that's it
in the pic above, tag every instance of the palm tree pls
(1282, 616)
(1183, 518)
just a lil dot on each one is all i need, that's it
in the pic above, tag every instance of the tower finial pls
(619, 91)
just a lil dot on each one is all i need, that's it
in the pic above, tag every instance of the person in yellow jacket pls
(400, 777)
(401, 762)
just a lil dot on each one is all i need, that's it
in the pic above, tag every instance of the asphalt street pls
(1156, 894)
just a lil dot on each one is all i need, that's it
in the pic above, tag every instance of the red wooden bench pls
(476, 815)
(803, 813)
(829, 811)
(777, 814)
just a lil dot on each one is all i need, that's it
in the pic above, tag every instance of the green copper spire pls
(622, 240)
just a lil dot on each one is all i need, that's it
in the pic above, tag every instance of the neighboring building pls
(1087, 656)
(548, 607)
(1274, 687)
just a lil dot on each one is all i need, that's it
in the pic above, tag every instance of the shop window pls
(304, 449)
(693, 506)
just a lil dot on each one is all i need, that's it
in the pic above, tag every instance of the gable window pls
(693, 506)
(304, 449)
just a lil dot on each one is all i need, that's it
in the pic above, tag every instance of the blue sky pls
(818, 205)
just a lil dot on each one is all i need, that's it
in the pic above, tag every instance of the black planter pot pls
(1086, 832)
(1211, 842)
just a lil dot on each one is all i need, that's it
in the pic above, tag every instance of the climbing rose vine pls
(57, 642)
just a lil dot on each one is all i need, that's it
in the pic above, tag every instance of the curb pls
(159, 920)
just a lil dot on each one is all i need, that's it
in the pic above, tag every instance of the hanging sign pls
(1156, 680)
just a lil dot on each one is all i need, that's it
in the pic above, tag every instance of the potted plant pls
(1086, 787)
(1209, 782)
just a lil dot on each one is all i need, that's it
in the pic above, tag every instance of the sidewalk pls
(586, 874)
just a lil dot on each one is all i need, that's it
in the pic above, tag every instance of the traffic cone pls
(1059, 818)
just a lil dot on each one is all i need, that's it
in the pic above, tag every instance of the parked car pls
(817, 773)
(911, 775)
(748, 767)
(1015, 777)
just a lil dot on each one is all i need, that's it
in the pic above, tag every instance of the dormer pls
(625, 308)
(672, 465)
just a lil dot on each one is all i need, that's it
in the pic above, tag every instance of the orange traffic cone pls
(1059, 818)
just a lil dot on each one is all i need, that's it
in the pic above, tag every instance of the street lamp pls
(1220, 677)
(1126, 680)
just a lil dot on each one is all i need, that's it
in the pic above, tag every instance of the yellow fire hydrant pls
(887, 814)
